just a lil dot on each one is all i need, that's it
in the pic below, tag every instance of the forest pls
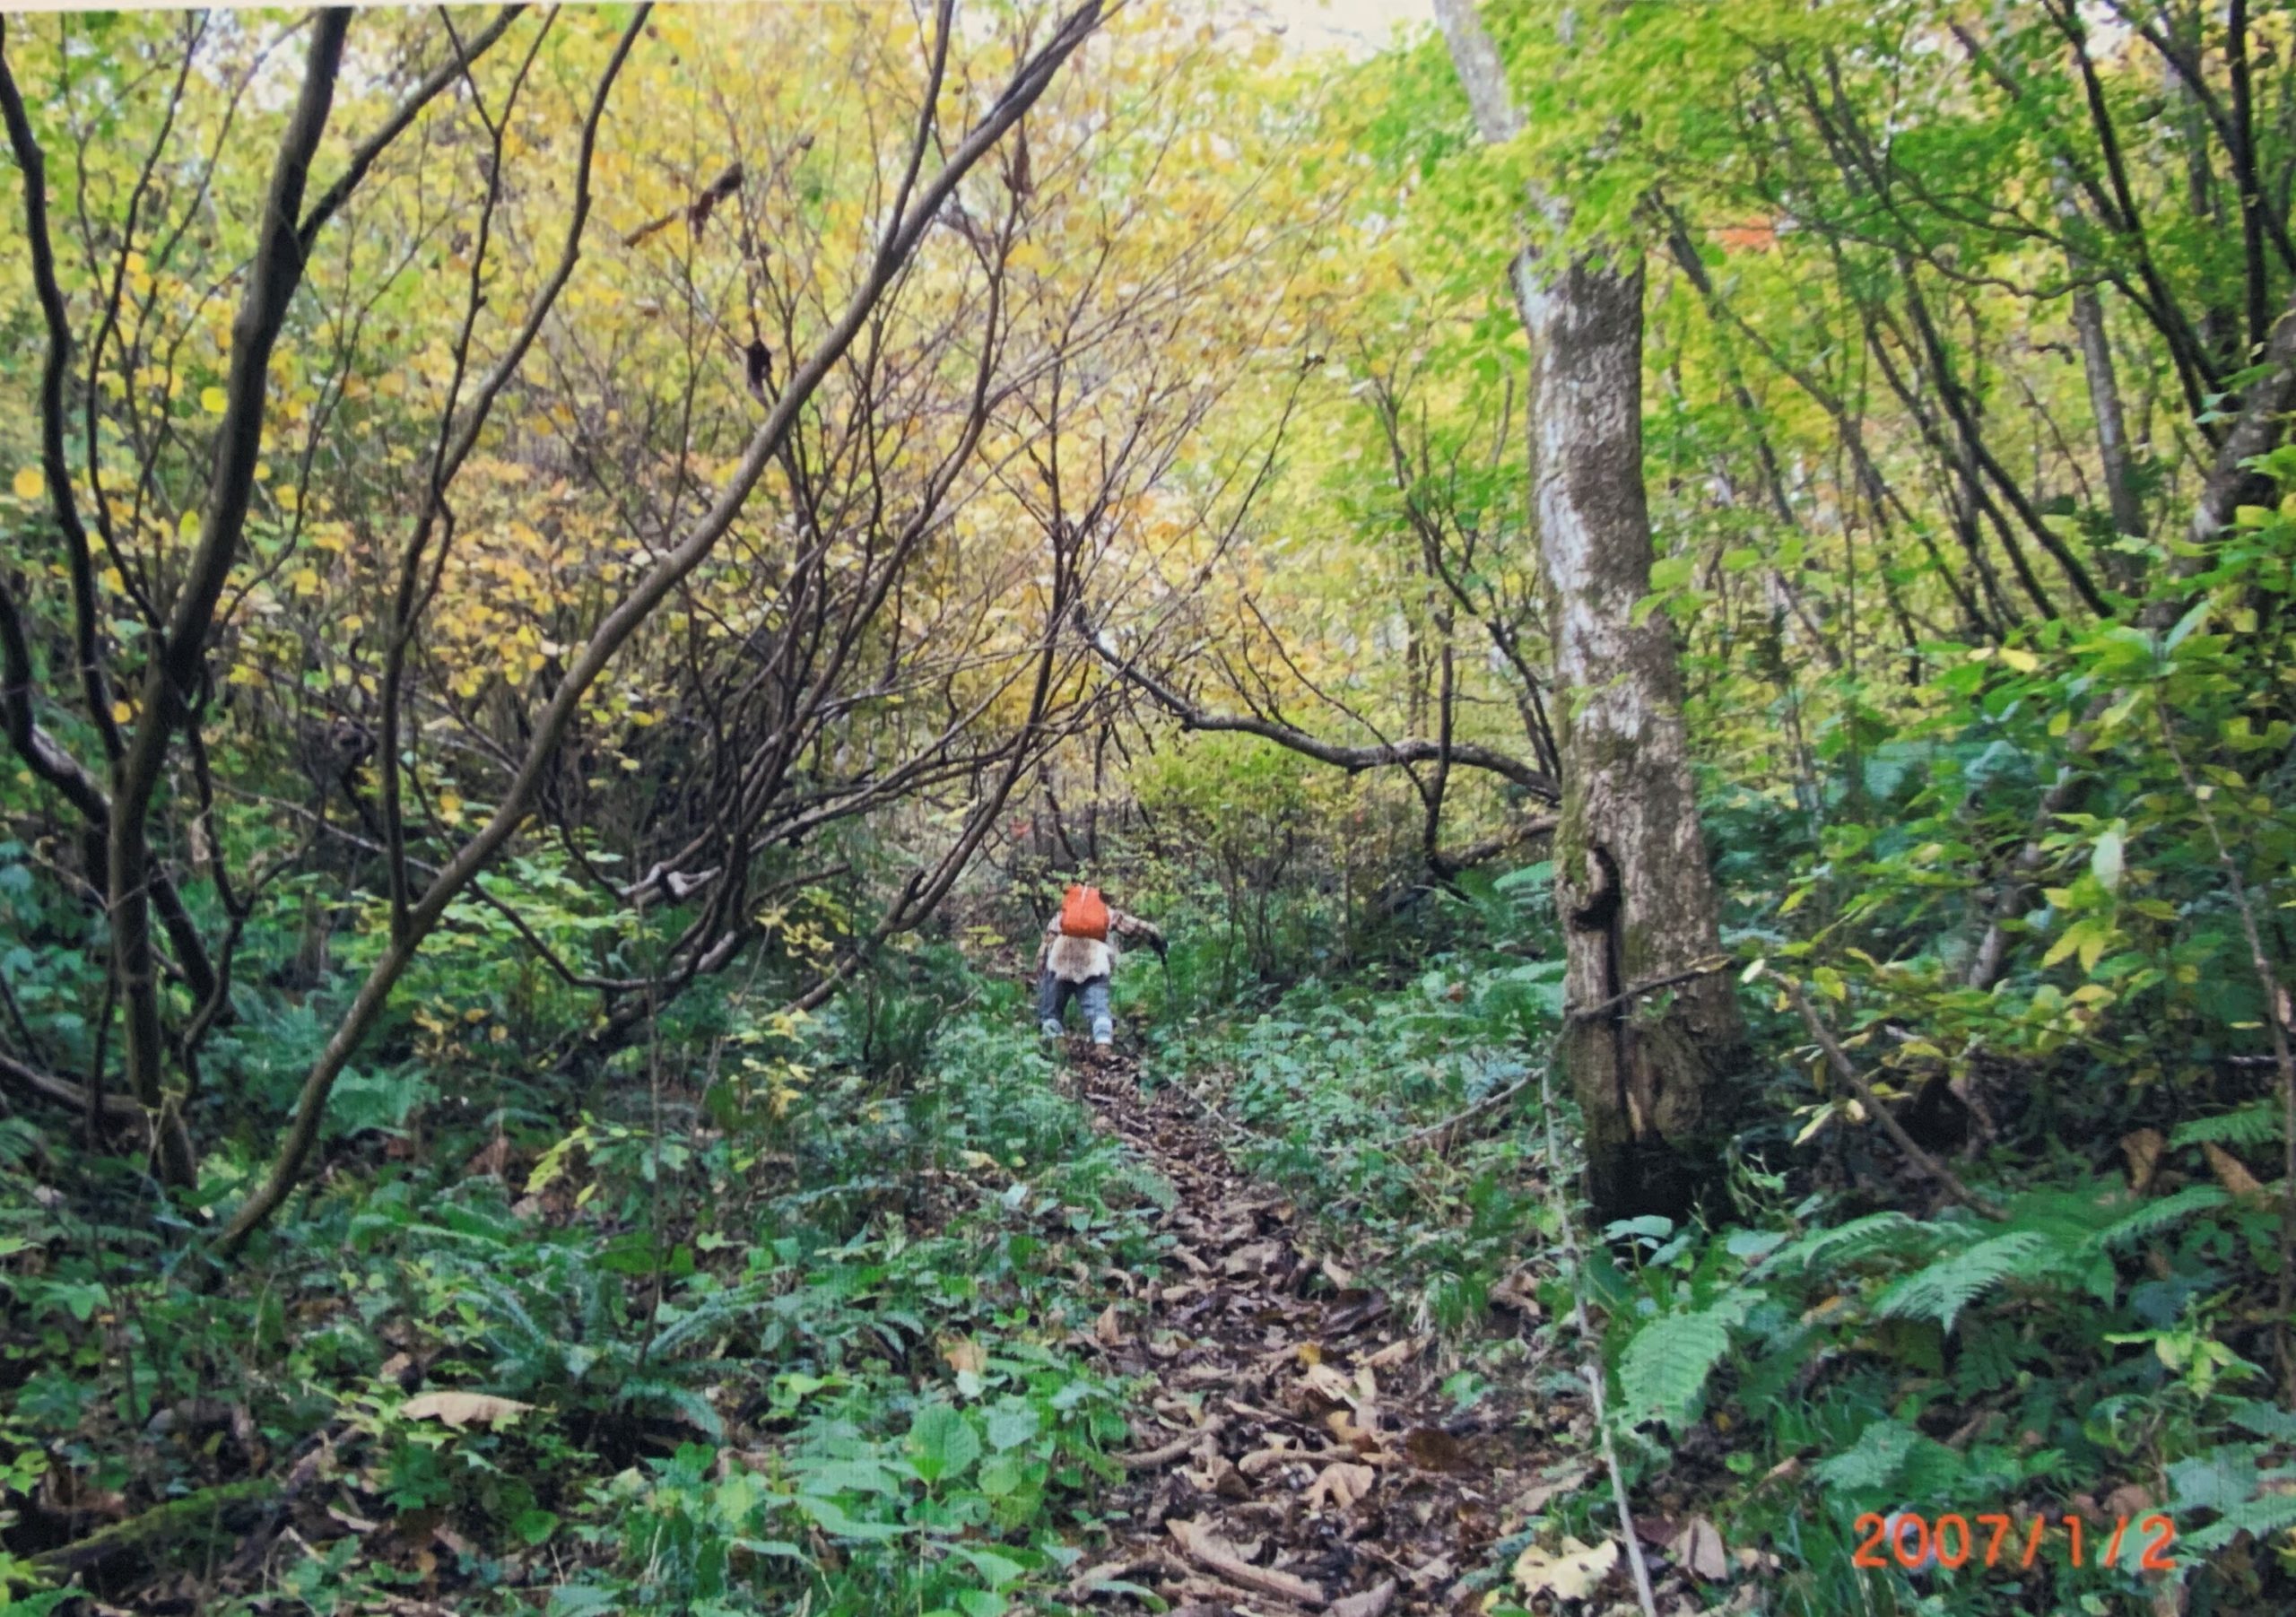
(1635, 658)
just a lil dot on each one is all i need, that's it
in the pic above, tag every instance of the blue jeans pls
(1053, 994)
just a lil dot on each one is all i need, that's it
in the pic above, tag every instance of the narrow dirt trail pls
(1297, 1455)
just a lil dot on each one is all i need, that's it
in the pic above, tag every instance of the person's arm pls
(1132, 929)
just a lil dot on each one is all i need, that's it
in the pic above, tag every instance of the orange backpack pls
(1083, 913)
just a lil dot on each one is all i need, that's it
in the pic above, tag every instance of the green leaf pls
(997, 1570)
(1002, 1474)
(832, 1519)
(942, 1442)
(1011, 1424)
(2191, 621)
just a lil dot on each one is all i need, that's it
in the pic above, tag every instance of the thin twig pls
(1839, 1060)
(1590, 1370)
(1627, 995)
(1496, 1098)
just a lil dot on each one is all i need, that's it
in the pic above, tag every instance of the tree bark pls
(1636, 900)
(172, 680)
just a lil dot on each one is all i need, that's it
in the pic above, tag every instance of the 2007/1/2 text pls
(1908, 1539)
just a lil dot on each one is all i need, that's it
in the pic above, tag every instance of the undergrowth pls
(788, 1333)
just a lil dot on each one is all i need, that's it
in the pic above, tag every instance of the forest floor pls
(1297, 1453)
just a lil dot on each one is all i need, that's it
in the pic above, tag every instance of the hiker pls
(1079, 952)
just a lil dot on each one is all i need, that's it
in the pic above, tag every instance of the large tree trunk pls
(1631, 885)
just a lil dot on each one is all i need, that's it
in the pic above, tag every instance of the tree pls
(207, 560)
(1652, 1026)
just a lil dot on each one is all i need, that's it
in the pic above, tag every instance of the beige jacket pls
(1080, 960)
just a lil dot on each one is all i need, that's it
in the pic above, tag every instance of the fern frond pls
(684, 1400)
(1846, 1244)
(1941, 1289)
(1872, 1461)
(1666, 1366)
(507, 1302)
(708, 1317)
(2255, 1125)
(2263, 1517)
(2154, 1217)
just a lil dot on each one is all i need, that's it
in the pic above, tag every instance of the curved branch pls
(1402, 752)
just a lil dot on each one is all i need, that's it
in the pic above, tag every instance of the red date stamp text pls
(1994, 1539)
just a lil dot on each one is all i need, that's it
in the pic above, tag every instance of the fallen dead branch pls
(1215, 1555)
(1164, 1454)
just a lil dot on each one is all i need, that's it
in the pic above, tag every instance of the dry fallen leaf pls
(1250, 1259)
(1341, 1485)
(1699, 1548)
(460, 1409)
(2129, 1499)
(1397, 1353)
(1572, 1575)
(1261, 1461)
(1518, 1293)
(1323, 1383)
(2143, 1148)
(2230, 1172)
(964, 1354)
(1346, 1432)
(1107, 1330)
(1372, 1601)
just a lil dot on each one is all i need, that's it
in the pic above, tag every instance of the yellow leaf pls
(212, 400)
(2021, 660)
(1824, 1115)
(121, 713)
(1341, 1485)
(450, 808)
(1572, 1575)
(306, 581)
(30, 483)
(460, 1409)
